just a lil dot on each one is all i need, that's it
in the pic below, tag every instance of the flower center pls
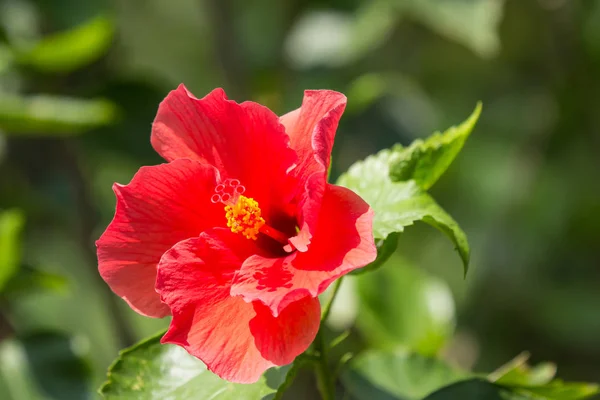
(244, 217)
(243, 213)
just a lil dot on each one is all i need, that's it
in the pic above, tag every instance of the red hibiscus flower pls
(239, 232)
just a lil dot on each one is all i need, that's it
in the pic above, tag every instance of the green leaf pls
(536, 382)
(474, 389)
(425, 161)
(472, 23)
(400, 95)
(404, 306)
(366, 89)
(335, 39)
(70, 50)
(373, 24)
(6, 58)
(377, 375)
(399, 204)
(40, 115)
(290, 376)
(557, 390)
(55, 365)
(11, 225)
(385, 249)
(483, 390)
(31, 280)
(150, 370)
(517, 372)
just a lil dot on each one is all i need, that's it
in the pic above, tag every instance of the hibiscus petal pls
(162, 205)
(243, 141)
(342, 242)
(312, 130)
(236, 340)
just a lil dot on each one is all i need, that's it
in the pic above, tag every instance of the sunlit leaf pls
(41, 115)
(404, 306)
(377, 375)
(425, 161)
(557, 390)
(152, 371)
(399, 204)
(517, 372)
(11, 224)
(70, 50)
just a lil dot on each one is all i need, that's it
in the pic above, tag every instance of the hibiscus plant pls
(243, 243)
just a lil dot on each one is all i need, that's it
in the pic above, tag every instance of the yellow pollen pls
(244, 217)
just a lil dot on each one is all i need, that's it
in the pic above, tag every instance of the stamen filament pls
(274, 234)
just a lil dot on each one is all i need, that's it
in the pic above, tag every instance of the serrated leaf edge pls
(122, 353)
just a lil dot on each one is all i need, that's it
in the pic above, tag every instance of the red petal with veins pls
(236, 340)
(342, 242)
(162, 205)
(312, 130)
(243, 141)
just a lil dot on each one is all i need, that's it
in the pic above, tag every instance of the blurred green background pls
(80, 82)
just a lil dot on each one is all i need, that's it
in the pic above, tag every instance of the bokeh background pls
(80, 82)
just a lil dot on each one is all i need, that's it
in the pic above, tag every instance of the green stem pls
(343, 336)
(325, 380)
(327, 308)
